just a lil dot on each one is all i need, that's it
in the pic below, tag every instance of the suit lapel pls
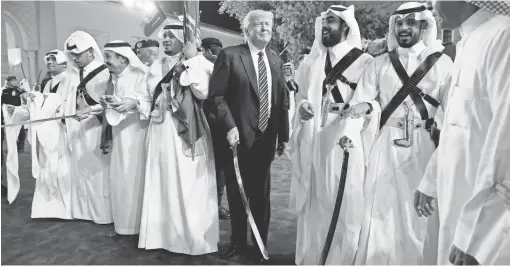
(248, 66)
(275, 74)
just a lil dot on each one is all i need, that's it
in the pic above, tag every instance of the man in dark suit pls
(211, 48)
(249, 97)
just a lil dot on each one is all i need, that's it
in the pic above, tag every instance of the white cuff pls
(427, 188)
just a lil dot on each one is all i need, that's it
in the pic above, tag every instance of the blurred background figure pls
(292, 86)
(147, 51)
(11, 95)
(211, 47)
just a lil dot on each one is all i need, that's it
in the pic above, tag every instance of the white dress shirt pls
(254, 51)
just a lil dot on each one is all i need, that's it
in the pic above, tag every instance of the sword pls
(326, 103)
(407, 141)
(38, 82)
(247, 205)
(39, 121)
(336, 210)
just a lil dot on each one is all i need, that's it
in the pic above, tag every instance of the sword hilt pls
(234, 149)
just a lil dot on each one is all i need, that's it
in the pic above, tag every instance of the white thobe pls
(473, 153)
(127, 163)
(50, 154)
(11, 135)
(317, 163)
(392, 232)
(89, 167)
(180, 206)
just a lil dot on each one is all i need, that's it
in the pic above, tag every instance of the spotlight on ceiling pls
(129, 3)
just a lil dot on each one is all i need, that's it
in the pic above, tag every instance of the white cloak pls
(392, 232)
(50, 155)
(180, 206)
(89, 167)
(316, 166)
(473, 153)
(11, 136)
(127, 163)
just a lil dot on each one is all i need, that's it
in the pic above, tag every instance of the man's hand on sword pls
(233, 137)
(356, 111)
(83, 113)
(306, 111)
(345, 143)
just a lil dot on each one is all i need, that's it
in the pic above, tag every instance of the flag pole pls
(184, 21)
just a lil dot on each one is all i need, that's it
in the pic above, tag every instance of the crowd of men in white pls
(126, 152)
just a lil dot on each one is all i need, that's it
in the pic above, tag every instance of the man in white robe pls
(392, 232)
(180, 205)
(50, 149)
(124, 134)
(89, 166)
(473, 154)
(316, 156)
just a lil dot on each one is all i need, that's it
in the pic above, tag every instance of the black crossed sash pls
(83, 91)
(409, 87)
(336, 73)
(81, 87)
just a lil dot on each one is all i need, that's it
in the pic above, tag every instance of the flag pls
(152, 21)
(191, 20)
(186, 11)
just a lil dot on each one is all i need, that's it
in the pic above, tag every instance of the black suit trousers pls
(254, 165)
(221, 150)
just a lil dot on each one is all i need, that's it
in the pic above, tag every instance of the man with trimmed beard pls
(408, 84)
(316, 156)
(180, 205)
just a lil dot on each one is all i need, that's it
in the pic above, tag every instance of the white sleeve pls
(197, 74)
(484, 223)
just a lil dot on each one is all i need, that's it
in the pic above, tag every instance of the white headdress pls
(124, 49)
(60, 57)
(347, 15)
(175, 28)
(421, 13)
(78, 42)
(501, 7)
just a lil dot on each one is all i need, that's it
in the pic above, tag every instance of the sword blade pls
(251, 221)
(336, 211)
(39, 121)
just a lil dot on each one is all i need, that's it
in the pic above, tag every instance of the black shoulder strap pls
(159, 89)
(336, 73)
(55, 88)
(81, 87)
(409, 86)
(402, 74)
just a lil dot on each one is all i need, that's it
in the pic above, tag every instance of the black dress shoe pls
(224, 213)
(232, 251)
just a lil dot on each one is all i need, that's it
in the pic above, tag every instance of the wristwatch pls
(369, 110)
